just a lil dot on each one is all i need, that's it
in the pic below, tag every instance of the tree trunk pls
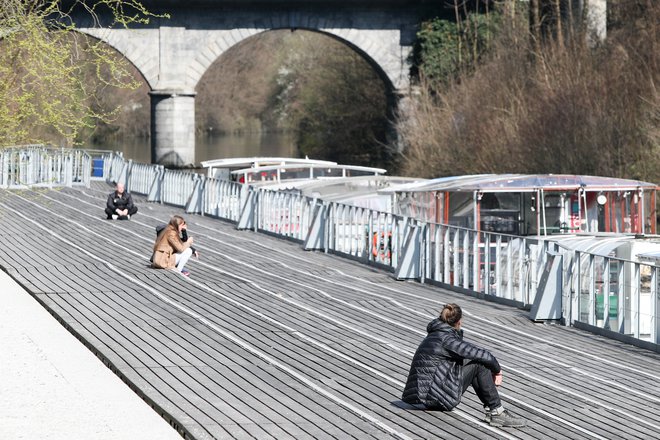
(535, 23)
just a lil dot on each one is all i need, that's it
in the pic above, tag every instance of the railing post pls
(606, 293)
(592, 291)
(466, 259)
(409, 263)
(446, 268)
(498, 265)
(476, 279)
(486, 276)
(456, 256)
(156, 188)
(317, 233)
(247, 218)
(509, 270)
(621, 297)
(635, 298)
(4, 171)
(425, 243)
(522, 258)
(68, 170)
(330, 228)
(655, 306)
(577, 268)
(194, 205)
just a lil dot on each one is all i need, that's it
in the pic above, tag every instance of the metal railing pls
(498, 265)
(177, 186)
(222, 198)
(612, 294)
(283, 213)
(142, 177)
(364, 234)
(501, 265)
(600, 293)
(36, 165)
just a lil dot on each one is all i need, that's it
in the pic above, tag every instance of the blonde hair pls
(451, 314)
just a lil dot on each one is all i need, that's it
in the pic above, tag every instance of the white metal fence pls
(612, 295)
(222, 198)
(36, 165)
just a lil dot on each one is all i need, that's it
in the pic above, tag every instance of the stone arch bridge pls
(173, 54)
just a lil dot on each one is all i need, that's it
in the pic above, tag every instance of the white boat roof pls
(526, 183)
(311, 165)
(242, 162)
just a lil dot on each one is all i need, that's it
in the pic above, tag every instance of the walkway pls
(265, 340)
(53, 388)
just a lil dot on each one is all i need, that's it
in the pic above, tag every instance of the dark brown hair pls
(451, 314)
(176, 220)
(174, 223)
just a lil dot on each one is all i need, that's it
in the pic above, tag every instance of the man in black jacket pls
(120, 204)
(438, 375)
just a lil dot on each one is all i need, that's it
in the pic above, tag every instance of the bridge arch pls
(392, 71)
(173, 55)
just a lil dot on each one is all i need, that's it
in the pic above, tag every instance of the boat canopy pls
(525, 183)
(302, 170)
(532, 204)
(220, 168)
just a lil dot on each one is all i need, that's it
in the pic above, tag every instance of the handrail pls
(608, 294)
(39, 165)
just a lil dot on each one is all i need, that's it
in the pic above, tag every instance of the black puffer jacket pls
(436, 373)
(117, 201)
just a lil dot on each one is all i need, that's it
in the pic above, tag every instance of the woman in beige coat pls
(170, 252)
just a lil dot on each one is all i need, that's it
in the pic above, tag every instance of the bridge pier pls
(173, 127)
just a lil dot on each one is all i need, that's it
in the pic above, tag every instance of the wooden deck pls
(265, 340)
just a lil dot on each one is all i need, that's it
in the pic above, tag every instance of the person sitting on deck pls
(170, 252)
(184, 237)
(120, 204)
(438, 376)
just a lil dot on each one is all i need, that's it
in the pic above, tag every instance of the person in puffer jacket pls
(445, 365)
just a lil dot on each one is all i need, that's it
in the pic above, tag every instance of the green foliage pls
(438, 50)
(447, 48)
(50, 74)
(335, 101)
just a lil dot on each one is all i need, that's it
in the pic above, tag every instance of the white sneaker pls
(128, 217)
(115, 216)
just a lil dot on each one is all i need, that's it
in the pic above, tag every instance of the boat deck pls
(265, 340)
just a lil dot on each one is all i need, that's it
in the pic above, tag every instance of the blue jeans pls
(481, 379)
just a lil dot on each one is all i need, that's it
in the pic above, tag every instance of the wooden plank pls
(268, 341)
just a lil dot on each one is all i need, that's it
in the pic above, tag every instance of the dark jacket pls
(116, 201)
(436, 374)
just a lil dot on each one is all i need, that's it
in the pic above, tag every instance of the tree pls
(569, 108)
(446, 49)
(336, 102)
(44, 62)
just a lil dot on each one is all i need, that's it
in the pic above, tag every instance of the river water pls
(215, 147)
